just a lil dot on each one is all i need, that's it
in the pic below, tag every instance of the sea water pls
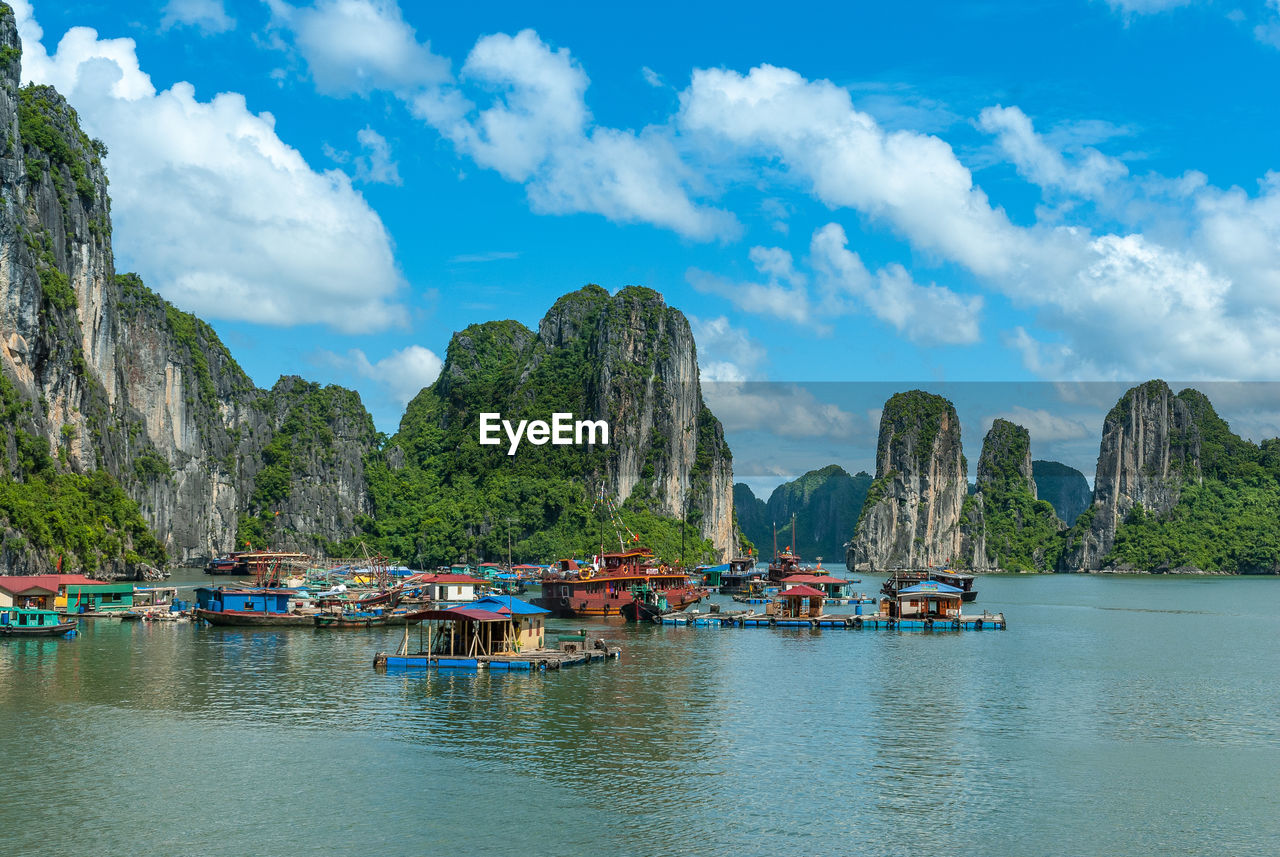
(1115, 716)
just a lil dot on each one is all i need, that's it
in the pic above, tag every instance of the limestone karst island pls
(509, 428)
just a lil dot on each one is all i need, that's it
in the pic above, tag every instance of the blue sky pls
(917, 193)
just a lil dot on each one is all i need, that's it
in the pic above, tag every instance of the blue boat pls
(33, 622)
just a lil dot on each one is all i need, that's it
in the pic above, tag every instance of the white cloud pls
(1088, 176)
(209, 16)
(725, 352)
(211, 206)
(787, 410)
(923, 313)
(845, 159)
(1146, 7)
(375, 165)
(1043, 426)
(783, 295)
(402, 374)
(652, 78)
(353, 47)
(538, 131)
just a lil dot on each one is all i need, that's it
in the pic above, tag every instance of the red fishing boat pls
(608, 588)
(785, 563)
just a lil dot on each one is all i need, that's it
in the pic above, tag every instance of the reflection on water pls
(1078, 731)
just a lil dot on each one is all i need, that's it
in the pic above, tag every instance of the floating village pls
(493, 615)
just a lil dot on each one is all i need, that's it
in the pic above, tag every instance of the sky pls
(1005, 203)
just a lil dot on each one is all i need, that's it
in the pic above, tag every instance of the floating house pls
(928, 599)
(495, 632)
(799, 602)
(98, 599)
(41, 591)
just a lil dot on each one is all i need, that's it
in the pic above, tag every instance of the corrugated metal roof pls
(804, 592)
(511, 603)
(47, 581)
(930, 587)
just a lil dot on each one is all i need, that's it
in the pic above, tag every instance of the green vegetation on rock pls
(1225, 521)
(438, 496)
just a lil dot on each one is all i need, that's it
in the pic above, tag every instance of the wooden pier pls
(536, 661)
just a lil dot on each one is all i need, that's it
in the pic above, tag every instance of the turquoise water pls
(1116, 716)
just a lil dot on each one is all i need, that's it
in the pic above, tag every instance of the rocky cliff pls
(913, 508)
(825, 503)
(1004, 526)
(628, 359)
(1150, 450)
(1066, 488)
(118, 382)
(753, 519)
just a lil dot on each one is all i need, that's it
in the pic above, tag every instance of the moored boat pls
(32, 622)
(249, 608)
(578, 592)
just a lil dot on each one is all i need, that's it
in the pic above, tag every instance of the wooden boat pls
(249, 607)
(32, 622)
(245, 619)
(574, 592)
(899, 580)
(351, 620)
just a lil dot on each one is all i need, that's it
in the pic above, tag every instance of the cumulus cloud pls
(922, 313)
(914, 182)
(725, 352)
(401, 374)
(211, 206)
(1088, 176)
(353, 47)
(535, 127)
(782, 295)
(375, 165)
(210, 16)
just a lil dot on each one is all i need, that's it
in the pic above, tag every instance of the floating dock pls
(538, 661)
(983, 622)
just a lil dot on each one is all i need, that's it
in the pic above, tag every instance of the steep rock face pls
(1150, 449)
(825, 504)
(1005, 526)
(628, 359)
(753, 518)
(119, 380)
(912, 510)
(1066, 488)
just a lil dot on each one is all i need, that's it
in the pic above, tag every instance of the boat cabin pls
(963, 582)
(220, 600)
(741, 574)
(928, 599)
(712, 575)
(18, 618)
(798, 602)
(633, 560)
(452, 587)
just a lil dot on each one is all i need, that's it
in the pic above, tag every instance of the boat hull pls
(37, 630)
(255, 620)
